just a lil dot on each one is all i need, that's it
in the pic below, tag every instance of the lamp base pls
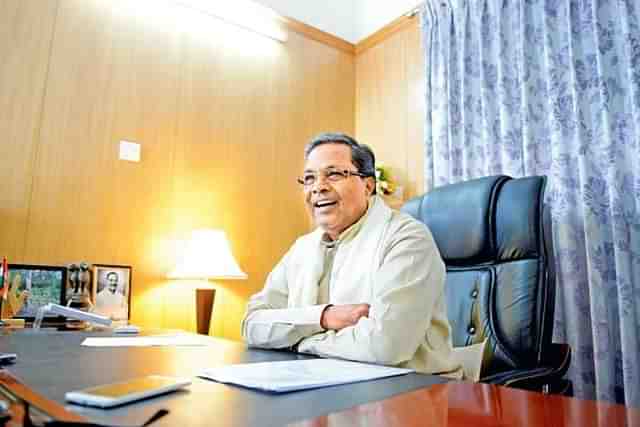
(204, 307)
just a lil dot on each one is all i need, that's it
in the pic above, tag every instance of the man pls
(366, 285)
(16, 301)
(110, 300)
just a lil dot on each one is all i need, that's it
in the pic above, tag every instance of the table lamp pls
(207, 256)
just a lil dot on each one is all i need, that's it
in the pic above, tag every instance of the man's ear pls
(370, 184)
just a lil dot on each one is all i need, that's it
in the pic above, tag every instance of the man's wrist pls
(323, 324)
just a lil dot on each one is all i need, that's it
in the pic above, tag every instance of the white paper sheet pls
(299, 374)
(145, 341)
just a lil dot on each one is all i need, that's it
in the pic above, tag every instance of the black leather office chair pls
(495, 239)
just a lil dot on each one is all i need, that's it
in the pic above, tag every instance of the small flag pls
(5, 278)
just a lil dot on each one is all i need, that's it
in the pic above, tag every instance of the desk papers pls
(144, 341)
(292, 375)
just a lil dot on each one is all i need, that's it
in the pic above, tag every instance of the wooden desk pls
(479, 405)
(53, 362)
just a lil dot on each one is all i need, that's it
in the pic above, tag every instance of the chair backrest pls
(495, 241)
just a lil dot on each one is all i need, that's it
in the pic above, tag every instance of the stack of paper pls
(147, 341)
(299, 374)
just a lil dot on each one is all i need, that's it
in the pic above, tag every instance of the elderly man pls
(110, 301)
(366, 285)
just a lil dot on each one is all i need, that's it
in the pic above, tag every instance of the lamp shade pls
(207, 256)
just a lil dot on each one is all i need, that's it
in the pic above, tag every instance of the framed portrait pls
(112, 290)
(31, 287)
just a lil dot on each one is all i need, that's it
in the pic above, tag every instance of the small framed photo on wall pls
(112, 290)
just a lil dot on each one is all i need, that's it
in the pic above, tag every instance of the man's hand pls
(337, 317)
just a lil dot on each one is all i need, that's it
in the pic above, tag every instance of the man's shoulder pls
(404, 227)
(401, 221)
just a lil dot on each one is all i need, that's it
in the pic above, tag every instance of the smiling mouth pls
(324, 204)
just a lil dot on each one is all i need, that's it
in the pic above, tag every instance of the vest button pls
(471, 330)
(474, 294)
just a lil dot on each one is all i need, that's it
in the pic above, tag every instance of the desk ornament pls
(79, 292)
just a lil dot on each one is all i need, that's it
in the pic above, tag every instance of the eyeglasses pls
(332, 175)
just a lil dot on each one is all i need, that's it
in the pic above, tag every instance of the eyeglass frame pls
(343, 173)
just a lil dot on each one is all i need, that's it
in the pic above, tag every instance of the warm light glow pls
(243, 13)
(207, 256)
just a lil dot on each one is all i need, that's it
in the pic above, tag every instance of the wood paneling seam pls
(37, 133)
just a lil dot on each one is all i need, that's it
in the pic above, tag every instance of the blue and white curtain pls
(550, 87)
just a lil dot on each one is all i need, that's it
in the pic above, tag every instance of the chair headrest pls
(460, 218)
(482, 220)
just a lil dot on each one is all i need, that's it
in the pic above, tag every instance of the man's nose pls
(320, 185)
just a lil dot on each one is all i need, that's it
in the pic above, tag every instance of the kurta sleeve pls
(406, 288)
(269, 323)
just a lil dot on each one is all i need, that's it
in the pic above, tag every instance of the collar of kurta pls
(375, 208)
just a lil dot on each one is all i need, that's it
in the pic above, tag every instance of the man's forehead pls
(329, 156)
(329, 167)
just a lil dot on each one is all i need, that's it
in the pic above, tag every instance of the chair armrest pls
(528, 379)
(557, 361)
(559, 357)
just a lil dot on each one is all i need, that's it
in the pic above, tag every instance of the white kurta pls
(111, 304)
(393, 264)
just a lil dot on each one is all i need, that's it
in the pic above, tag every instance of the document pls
(293, 375)
(145, 341)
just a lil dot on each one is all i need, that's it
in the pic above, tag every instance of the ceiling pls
(350, 20)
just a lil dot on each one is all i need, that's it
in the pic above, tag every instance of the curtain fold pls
(547, 87)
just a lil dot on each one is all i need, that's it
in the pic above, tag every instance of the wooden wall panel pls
(26, 30)
(240, 157)
(113, 76)
(222, 116)
(390, 104)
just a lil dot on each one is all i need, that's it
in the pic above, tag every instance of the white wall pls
(351, 20)
(371, 15)
(332, 16)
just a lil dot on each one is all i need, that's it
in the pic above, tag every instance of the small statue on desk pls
(79, 290)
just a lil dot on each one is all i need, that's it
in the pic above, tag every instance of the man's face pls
(112, 281)
(334, 206)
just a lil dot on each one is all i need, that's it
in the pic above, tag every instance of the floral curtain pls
(548, 87)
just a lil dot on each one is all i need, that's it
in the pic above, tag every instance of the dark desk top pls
(53, 363)
(479, 405)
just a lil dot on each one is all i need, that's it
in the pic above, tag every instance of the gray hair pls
(362, 156)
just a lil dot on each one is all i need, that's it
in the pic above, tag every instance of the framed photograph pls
(112, 290)
(31, 287)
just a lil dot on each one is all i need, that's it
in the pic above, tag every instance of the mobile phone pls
(106, 396)
(6, 358)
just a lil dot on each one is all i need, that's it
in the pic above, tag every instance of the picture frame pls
(111, 290)
(45, 283)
